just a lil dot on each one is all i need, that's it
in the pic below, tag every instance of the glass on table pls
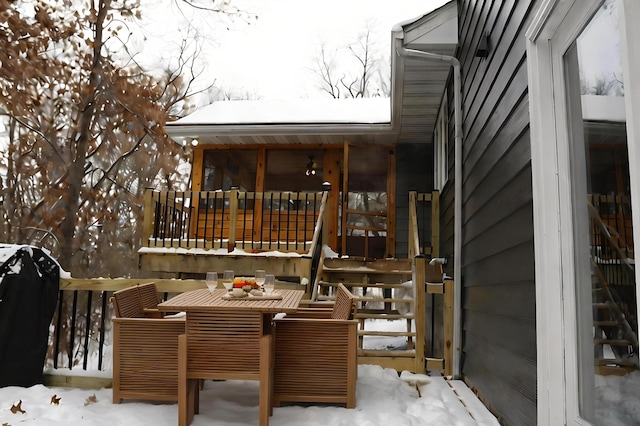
(212, 281)
(227, 279)
(269, 283)
(260, 277)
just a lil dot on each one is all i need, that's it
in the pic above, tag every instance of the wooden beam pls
(243, 265)
(197, 168)
(448, 327)
(420, 312)
(78, 382)
(391, 204)
(331, 174)
(261, 173)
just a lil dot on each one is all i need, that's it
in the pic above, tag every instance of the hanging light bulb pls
(311, 167)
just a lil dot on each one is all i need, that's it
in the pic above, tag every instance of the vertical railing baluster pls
(253, 218)
(87, 331)
(103, 320)
(261, 230)
(304, 218)
(213, 221)
(286, 237)
(188, 221)
(166, 219)
(158, 216)
(206, 221)
(56, 351)
(244, 221)
(271, 221)
(72, 330)
(222, 221)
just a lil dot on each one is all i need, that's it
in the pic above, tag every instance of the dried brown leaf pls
(91, 400)
(17, 408)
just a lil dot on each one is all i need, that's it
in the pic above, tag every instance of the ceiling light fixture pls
(311, 167)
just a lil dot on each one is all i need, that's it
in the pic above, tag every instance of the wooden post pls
(233, 218)
(414, 237)
(419, 268)
(149, 217)
(448, 327)
(332, 175)
(261, 173)
(196, 187)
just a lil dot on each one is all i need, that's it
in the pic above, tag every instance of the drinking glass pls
(260, 277)
(212, 281)
(269, 283)
(227, 280)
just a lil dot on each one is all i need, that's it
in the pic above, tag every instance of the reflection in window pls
(599, 53)
(612, 322)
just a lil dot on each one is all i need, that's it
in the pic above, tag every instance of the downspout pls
(398, 37)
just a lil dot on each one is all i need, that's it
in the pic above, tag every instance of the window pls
(564, 140)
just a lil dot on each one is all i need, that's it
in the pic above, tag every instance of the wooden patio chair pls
(204, 341)
(149, 299)
(316, 356)
(145, 351)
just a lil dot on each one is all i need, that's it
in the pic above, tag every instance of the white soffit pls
(438, 29)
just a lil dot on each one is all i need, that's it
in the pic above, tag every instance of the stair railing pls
(604, 243)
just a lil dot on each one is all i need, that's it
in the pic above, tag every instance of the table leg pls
(266, 370)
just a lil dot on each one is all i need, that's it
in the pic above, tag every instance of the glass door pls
(606, 296)
(365, 201)
(584, 162)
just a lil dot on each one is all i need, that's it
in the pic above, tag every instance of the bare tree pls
(358, 70)
(85, 122)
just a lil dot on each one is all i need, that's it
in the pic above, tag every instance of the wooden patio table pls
(229, 340)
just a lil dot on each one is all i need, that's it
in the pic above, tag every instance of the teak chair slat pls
(145, 350)
(316, 358)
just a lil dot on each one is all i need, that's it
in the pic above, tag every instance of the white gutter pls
(398, 37)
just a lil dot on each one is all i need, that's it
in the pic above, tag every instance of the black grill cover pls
(29, 284)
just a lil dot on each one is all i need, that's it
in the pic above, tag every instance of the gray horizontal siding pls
(499, 335)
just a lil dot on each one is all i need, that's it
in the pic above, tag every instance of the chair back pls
(344, 305)
(148, 295)
(230, 338)
(126, 303)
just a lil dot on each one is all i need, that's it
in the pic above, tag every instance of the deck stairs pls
(615, 337)
(385, 292)
(615, 342)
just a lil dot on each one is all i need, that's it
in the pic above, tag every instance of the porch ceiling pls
(417, 90)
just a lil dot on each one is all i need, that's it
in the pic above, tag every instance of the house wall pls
(498, 294)
(411, 162)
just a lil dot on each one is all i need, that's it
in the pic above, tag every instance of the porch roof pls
(409, 116)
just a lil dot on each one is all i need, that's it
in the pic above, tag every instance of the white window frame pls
(555, 27)
(441, 146)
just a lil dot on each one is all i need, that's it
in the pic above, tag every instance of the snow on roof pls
(297, 111)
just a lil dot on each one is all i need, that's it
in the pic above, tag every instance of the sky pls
(271, 56)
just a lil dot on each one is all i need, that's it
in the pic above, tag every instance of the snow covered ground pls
(383, 398)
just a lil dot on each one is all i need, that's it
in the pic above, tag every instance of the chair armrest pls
(323, 322)
(317, 313)
(149, 322)
(152, 313)
(315, 304)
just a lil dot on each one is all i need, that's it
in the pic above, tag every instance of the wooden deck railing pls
(253, 221)
(424, 224)
(81, 329)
